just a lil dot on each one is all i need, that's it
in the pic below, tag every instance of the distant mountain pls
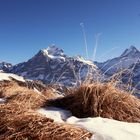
(51, 65)
(128, 63)
(4, 66)
(125, 61)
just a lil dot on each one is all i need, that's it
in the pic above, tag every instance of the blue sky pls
(26, 26)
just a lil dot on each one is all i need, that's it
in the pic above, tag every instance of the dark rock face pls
(4, 66)
(51, 65)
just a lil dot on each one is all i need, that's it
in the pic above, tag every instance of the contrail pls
(96, 44)
(85, 39)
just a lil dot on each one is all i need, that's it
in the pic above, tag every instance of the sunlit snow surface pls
(108, 129)
(54, 53)
(102, 128)
(57, 114)
(7, 76)
(81, 59)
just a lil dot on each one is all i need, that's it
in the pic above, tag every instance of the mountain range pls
(126, 60)
(126, 66)
(52, 65)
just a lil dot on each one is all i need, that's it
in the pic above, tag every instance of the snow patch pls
(102, 128)
(54, 53)
(57, 114)
(81, 59)
(37, 91)
(108, 129)
(7, 76)
(2, 100)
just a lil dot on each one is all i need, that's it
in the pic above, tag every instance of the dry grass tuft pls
(19, 119)
(32, 126)
(101, 100)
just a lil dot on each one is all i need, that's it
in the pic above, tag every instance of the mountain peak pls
(132, 50)
(51, 65)
(53, 50)
(5, 66)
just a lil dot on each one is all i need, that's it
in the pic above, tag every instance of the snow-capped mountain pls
(128, 63)
(4, 66)
(128, 58)
(51, 65)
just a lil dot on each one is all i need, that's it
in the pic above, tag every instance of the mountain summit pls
(132, 51)
(4, 66)
(128, 63)
(51, 65)
(53, 50)
(129, 57)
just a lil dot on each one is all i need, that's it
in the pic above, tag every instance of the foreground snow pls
(108, 129)
(8, 76)
(57, 114)
(2, 100)
(102, 128)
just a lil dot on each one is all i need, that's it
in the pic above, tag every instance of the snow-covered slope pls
(108, 129)
(9, 76)
(129, 63)
(51, 65)
(129, 57)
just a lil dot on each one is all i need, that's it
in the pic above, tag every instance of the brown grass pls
(19, 119)
(100, 100)
(10, 88)
(33, 126)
